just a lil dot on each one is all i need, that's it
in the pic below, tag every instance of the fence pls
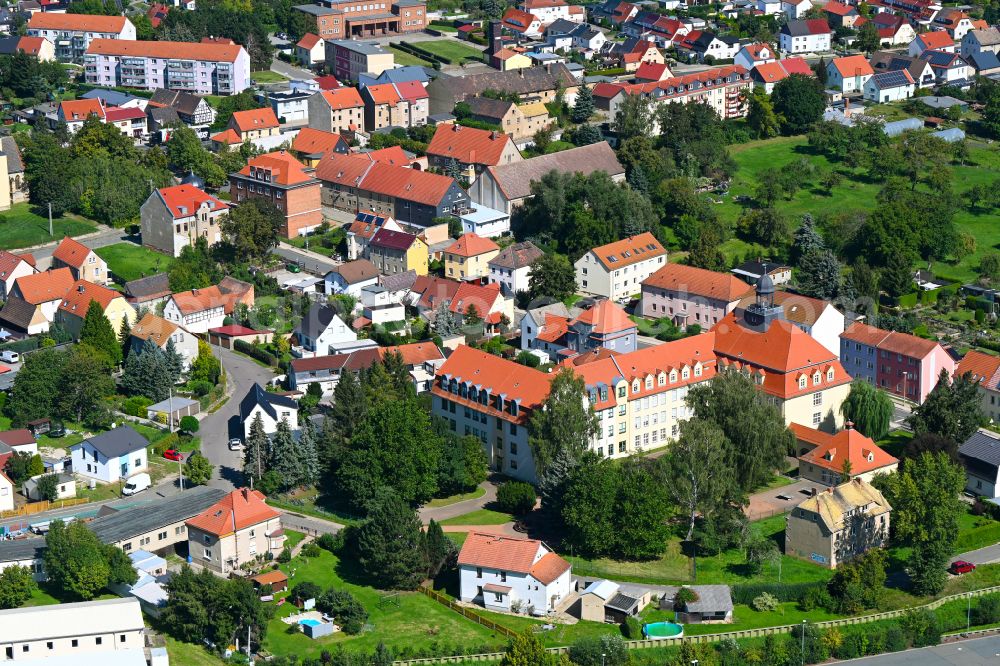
(703, 638)
(470, 614)
(44, 505)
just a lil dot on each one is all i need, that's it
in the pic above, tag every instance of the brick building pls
(286, 183)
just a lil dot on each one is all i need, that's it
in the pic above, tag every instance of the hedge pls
(256, 352)
(908, 300)
(745, 593)
(21, 346)
(978, 537)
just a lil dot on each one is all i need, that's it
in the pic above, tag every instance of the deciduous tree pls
(552, 276)
(198, 470)
(16, 586)
(951, 409)
(252, 228)
(869, 408)
(799, 102)
(563, 423)
(699, 471)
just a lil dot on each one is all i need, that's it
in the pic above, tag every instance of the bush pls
(255, 351)
(632, 629)
(200, 387)
(684, 596)
(516, 497)
(815, 597)
(765, 603)
(987, 611)
(306, 590)
(189, 425)
(331, 542)
(312, 550)
(345, 608)
(285, 556)
(136, 406)
(784, 592)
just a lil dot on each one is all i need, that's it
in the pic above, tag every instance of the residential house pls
(688, 295)
(840, 14)
(227, 336)
(273, 408)
(363, 229)
(321, 330)
(342, 19)
(361, 183)
(191, 109)
(65, 487)
(238, 529)
(470, 148)
(935, 40)
(73, 309)
(795, 9)
(286, 183)
(397, 252)
(40, 47)
(311, 50)
(74, 112)
(801, 377)
(420, 359)
(508, 60)
(6, 494)
(148, 291)
(616, 270)
(893, 30)
(395, 105)
(649, 72)
(72, 34)
(130, 121)
(603, 325)
(905, 365)
(111, 456)
(950, 69)
(12, 267)
(162, 333)
(249, 126)
(347, 59)
(290, 106)
(549, 11)
(83, 263)
(469, 257)
(310, 144)
(202, 68)
(919, 69)
(173, 218)
(700, 44)
(768, 75)
(805, 36)
(886, 87)
(339, 111)
(848, 74)
(350, 278)
(504, 573)
(985, 63)
(521, 22)
(507, 186)
(483, 302)
(980, 455)
(832, 459)
(198, 310)
(563, 34)
(978, 41)
(535, 84)
(838, 524)
(17, 189)
(32, 302)
(398, 74)
(520, 122)
(955, 22)
(721, 88)
(511, 269)
(614, 11)
(751, 55)
(984, 370)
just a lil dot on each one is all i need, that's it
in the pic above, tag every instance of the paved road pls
(973, 652)
(103, 237)
(291, 71)
(440, 513)
(987, 555)
(215, 428)
(310, 261)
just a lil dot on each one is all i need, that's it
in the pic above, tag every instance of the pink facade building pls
(688, 295)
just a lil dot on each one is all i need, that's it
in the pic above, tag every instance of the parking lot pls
(779, 500)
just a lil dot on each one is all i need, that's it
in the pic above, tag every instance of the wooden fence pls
(44, 505)
(467, 612)
(667, 642)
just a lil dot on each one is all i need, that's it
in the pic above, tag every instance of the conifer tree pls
(256, 451)
(99, 334)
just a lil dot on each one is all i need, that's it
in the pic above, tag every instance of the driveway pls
(974, 652)
(311, 262)
(440, 513)
(776, 501)
(215, 428)
(987, 555)
(290, 71)
(103, 237)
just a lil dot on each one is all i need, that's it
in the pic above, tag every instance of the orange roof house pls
(165, 50)
(601, 272)
(469, 257)
(254, 123)
(825, 458)
(311, 144)
(77, 110)
(293, 190)
(471, 245)
(46, 287)
(472, 148)
(849, 73)
(603, 325)
(75, 303)
(236, 529)
(935, 40)
(33, 300)
(226, 138)
(308, 41)
(498, 570)
(77, 22)
(689, 295)
(84, 263)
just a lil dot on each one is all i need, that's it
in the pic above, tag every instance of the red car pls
(173, 454)
(959, 567)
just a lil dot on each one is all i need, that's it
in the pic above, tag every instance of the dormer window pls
(829, 375)
(816, 379)
(661, 379)
(635, 386)
(649, 382)
(673, 376)
(697, 370)
(685, 373)
(802, 382)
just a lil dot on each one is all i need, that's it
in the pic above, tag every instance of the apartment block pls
(72, 34)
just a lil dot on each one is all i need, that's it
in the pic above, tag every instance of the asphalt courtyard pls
(974, 652)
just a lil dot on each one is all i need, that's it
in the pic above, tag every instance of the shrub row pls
(21, 346)
(745, 593)
(254, 351)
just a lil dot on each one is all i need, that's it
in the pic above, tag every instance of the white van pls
(136, 484)
(10, 357)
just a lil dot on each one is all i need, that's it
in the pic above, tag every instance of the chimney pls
(520, 72)
(813, 490)
(194, 292)
(246, 493)
(493, 135)
(849, 425)
(79, 288)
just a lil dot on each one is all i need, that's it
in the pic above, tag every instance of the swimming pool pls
(311, 622)
(658, 630)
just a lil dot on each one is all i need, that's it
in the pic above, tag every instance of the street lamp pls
(603, 655)
(968, 614)
(803, 642)
(694, 662)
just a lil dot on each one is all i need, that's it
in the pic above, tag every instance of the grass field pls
(480, 517)
(267, 76)
(455, 499)
(856, 192)
(191, 655)
(129, 261)
(403, 58)
(453, 50)
(21, 228)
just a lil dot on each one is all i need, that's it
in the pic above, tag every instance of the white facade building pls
(273, 408)
(616, 270)
(111, 456)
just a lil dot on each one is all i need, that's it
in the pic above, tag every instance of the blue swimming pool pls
(311, 622)
(659, 630)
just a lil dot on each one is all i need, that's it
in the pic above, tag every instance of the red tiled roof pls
(77, 299)
(184, 200)
(817, 26)
(468, 145)
(44, 287)
(699, 282)
(116, 114)
(411, 90)
(328, 82)
(433, 290)
(472, 245)
(9, 262)
(152, 327)
(394, 155)
(982, 368)
(308, 41)
(343, 98)
(81, 109)
(227, 137)
(832, 451)
(157, 12)
(528, 386)
(311, 141)
(238, 510)
(235, 330)
(755, 50)
(651, 71)
(518, 20)
(18, 437)
(30, 45)
(706, 78)
(285, 169)
(855, 65)
(494, 551)
(199, 300)
(165, 50)
(483, 297)
(71, 252)
(254, 119)
(936, 39)
(549, 568)
(629, 251)
(605, 317)
(76, 22)
(839, 8)
(383, 93)
(385, 179)
(394, 240)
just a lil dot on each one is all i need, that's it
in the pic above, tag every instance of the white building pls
(616, 270)
(6, 494)
(271, 407)
(111, 456)
(511, 269)
(751, 55)
(292, 106)
(12, 266)
(510, 574)
(805, 36)
(72, 33)
(795, 9)
(350, 278)
(889, 87)
(162, 333)
(848, 74)
(197, 310)
(320, 329)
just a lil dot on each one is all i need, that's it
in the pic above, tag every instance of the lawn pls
(403, 58)
(292, 538)
(21, 228)
(745, 617)
(562, 634)
(407, 620)
(727, 567)
(267, 76)
(480, 517)
(189, 654)
(455, 499)
(128, 261)
(856, 192)
(452, 49)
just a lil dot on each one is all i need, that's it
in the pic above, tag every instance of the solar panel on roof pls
(891, 79)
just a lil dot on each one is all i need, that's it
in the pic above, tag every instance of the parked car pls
(10, 357)
(136, 484)
(235, 444)
(57, 430)
(173, 454)
(294, 268)
(959, 567)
